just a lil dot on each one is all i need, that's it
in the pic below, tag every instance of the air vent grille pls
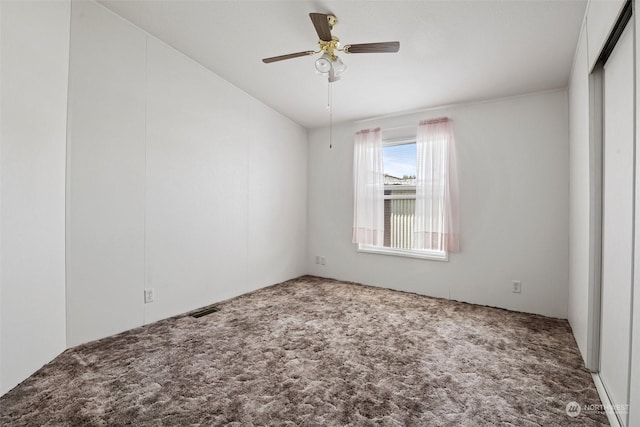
(204, 312)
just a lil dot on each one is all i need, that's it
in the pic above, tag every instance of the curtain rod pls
(422, 122)
(400, 127)
(385, 129)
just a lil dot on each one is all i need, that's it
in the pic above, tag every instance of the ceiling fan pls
(329, 64)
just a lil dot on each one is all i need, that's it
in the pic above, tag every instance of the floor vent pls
(204, 312)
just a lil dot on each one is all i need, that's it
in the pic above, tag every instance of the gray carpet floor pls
(314, 351)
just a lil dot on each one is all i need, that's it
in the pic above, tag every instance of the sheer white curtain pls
(436, 215)
(368, 188)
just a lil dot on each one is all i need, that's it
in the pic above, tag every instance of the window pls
(399, 168)
(399, 165)
(405, 193)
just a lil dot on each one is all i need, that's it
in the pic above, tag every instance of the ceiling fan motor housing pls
(329, 47)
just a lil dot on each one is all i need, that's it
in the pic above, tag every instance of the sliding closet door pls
(617, 221)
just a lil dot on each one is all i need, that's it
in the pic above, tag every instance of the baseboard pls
(604, 397)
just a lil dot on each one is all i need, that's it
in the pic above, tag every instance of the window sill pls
(409, 253)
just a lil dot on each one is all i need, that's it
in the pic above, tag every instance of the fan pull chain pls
(329, 107)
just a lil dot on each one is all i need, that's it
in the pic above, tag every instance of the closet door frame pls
(596, 148)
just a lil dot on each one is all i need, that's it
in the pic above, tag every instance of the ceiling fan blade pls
(288, 56)
(321, 24)
(382, 47)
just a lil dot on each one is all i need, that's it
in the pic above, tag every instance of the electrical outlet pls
(516, 286)
(317, 259)
(323, 260)
(148, 295)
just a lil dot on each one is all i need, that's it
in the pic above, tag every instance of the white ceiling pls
(450, 51)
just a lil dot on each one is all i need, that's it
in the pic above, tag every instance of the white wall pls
(634, 389)
(34, 51)
(226, 188)
(2, 390)
(178, 181)
(106, 175)
(580, 200)
(513, 156)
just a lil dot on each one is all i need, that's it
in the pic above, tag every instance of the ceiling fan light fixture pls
(338, 66)
(323, 64)
(333, 76)
(329, 65)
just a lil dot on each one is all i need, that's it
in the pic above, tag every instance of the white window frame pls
(408, 253)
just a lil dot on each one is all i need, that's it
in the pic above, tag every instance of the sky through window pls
(399, 160)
